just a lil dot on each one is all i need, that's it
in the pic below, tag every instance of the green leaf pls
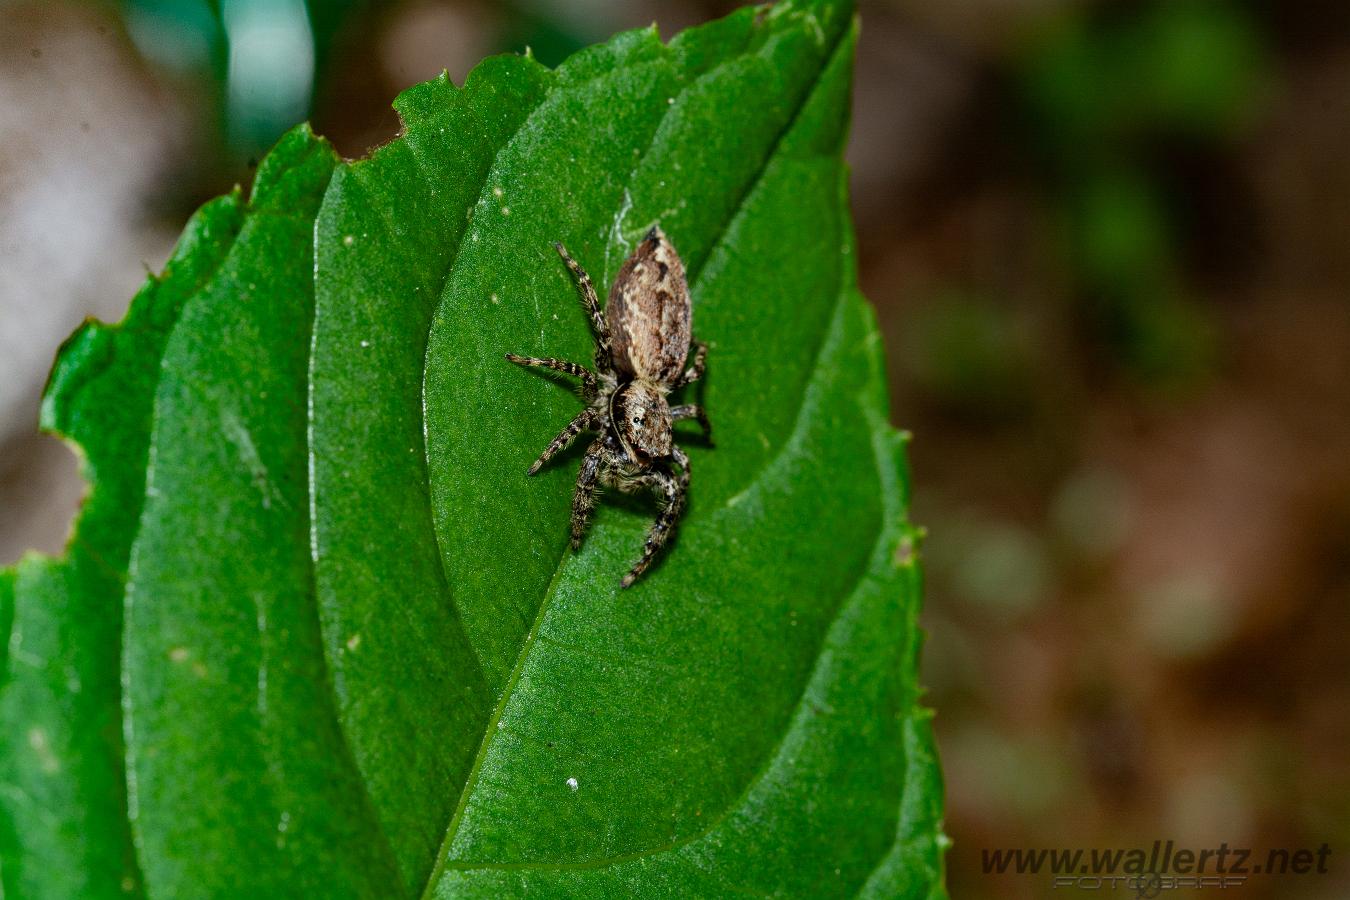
(64, 831)
(330, 641)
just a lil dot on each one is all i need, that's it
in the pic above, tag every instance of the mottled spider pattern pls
(642, 341)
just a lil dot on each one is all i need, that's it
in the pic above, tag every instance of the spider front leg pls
(588, 382)
(585, 419)
(695, 371)
(583, 500)
(675, 489)
(604, 357)
(693, 411)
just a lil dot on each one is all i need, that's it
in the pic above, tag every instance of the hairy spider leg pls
(588, 382)
(583, 501)
(692, 411)
(604, 355)
(585, 419)
(675, 489)
(695, 371)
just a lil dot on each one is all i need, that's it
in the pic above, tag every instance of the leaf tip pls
(296, 166)
(82, 356)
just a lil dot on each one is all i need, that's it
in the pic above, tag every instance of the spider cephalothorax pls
(642, 343)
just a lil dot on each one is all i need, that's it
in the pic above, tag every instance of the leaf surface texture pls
(318, 635)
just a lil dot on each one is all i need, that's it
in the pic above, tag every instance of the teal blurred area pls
(1109, 246)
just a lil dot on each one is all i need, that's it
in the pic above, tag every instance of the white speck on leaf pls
(348, 241)
(37, 739)
(354, 641)
(572, 783)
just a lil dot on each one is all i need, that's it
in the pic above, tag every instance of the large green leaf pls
(319, 636)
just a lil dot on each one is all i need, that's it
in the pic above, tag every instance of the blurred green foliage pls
(1105, 93)
(967, 350)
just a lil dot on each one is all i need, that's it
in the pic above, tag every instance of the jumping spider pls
(641, 346)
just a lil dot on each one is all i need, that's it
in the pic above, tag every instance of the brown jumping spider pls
(641, 346)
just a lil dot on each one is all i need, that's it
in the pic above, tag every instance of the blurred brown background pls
(1109, 244)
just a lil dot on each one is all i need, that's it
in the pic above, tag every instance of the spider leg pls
(585, 419)
(675, 489)
(604, 357)
(692, 411)
(587, 377)
(583, 501)
(695, 371)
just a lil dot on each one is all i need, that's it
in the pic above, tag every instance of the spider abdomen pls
(648, 312)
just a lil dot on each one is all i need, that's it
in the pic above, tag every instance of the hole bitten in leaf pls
(41, 490)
